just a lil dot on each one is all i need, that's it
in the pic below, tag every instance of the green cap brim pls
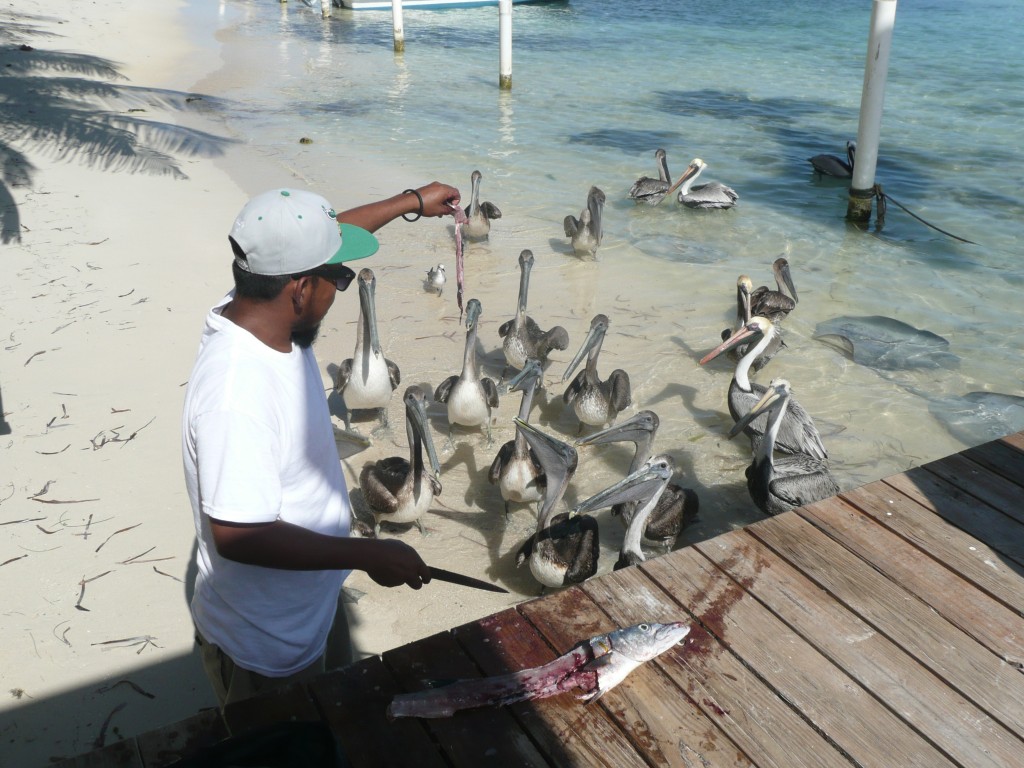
(356, 243)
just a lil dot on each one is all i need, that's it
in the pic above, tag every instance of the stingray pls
(979, 417)
(886, 344)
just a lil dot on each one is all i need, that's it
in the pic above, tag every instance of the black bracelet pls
(418, 197)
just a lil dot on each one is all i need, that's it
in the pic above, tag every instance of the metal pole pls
(505, 45)
(883, 18)
(396, 16)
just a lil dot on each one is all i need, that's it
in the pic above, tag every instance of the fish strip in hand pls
(595, 666)
(460, 219)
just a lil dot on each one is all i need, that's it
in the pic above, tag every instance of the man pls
(268, 495)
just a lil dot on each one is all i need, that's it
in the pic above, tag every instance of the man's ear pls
(302, 291)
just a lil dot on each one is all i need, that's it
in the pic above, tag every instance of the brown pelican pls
(779, 485)
(744, 287)
(397, 490)
(564, 549)
(775, 305)
(676, 508)
(469, 396)
(643, 488)
(367, 379)
(585, 232)
(714, 194)
(651, 191)
(516, 470)
(478, 215)
(435, 279)
(797, 433)
(830, 165)
(523, 337)
(595, 402)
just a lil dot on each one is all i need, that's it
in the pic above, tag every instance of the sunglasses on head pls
(341, 282)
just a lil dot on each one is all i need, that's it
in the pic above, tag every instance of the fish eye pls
(644, 627)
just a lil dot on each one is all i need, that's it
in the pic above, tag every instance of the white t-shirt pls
(258, 445)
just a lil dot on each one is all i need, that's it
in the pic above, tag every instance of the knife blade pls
(466, 581)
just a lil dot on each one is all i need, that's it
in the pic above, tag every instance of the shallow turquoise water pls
(752, 88)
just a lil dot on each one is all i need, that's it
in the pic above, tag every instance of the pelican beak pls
(367, 294)
(416, 408)
(557, 458)
(530, 374)
(473, 310)
(691, 170)
(638, 486)
(635, 429)
(526, 264)
(738, 336)
(594, 337)
(771, 397)
(785, 277)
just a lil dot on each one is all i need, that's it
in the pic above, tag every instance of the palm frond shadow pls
(67, 107)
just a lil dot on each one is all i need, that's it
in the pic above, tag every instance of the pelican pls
(797, 433)
(643, 488)
(523, 337)
(398, 490)
(564, 549)
(469, 396)
(677, 506)
(651, 191)
(367, 379)
(744, 288)
(516, 470)
(595, 402)
(435, 280)
(779, 485)
(775, 305)
(830, 165)
(478, 215)
(585, 232)
(714, 194)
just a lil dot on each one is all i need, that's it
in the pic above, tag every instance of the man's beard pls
(306, 336)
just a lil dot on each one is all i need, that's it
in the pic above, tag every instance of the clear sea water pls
(752, 88)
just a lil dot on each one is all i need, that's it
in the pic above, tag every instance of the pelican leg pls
(376, 529)
(383, 425)
(419, 524)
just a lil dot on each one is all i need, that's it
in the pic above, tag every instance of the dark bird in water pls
(830, 165)
(367, 379)
(564, 549)
(435, 280)
(676, 507)
(595, 402)
(643, 488)
(648, 191)
(478, 215)
(399, 490)
(469, 396)
(781, 484)
(714, 194)
(516, 470)
(775, 305)
(797, 433)
(585, 232)
(523, 338)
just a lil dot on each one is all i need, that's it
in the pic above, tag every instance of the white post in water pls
(883, 18)
(505, 45)
(396, 16)
(325, 9)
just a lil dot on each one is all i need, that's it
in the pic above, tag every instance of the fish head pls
(643, 642)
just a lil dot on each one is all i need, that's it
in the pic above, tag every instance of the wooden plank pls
(1000, 457)
(664, 725)
(728, 692)
(472, 737)
(980, 520)
(1015, 440)
(281, 705)
(961, 730)
(960, 552)
(990, 487)
(120, 754)
(990, 683)
(353, 701)
(823, 693)
(165, 745)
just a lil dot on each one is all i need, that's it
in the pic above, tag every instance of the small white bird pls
(435, 279)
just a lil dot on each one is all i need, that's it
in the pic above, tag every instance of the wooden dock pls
(881, 627)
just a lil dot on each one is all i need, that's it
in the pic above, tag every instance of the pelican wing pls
(344, 374)
(584, 551)
(505, 328)
(571, 225)
(621, 395)
(381, 481)
(575, 387)
(525, 550)
(676, 509)
(394, 374)
(800, 480)
(501, 461)
(490, 210)
(444, 389)
(490, 391)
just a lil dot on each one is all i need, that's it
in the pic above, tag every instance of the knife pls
(467, 581)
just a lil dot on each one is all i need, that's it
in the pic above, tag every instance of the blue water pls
(752, 88)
